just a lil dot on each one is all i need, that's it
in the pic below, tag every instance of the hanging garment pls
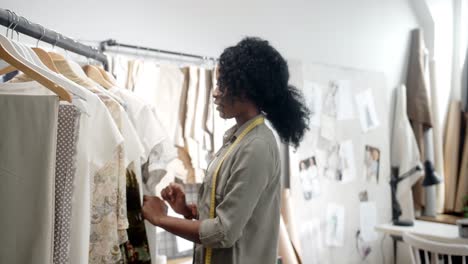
(208, 119)
(167, 97)
(199, 130)
(404, 154)
(98, 139)
(418, 104)
(147, 126)
(27, 172)
(191, 145)
(109, 220)
(119, 68)
(136, 249)
(152, 136)
(65, 170)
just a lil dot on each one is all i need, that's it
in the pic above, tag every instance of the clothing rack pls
(20, 24)
(113, 43)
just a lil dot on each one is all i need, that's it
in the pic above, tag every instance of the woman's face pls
(226, 106)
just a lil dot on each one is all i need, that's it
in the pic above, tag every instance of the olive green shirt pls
(245, 229)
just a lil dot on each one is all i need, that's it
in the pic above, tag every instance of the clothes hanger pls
(9, 68)
(62, 93)
(51, 76)
(108, 76)
(70, 71)
(43, 55)
(10, 54)
(95, 75)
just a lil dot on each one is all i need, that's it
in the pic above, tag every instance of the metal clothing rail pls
(21, 25)
(113, 43)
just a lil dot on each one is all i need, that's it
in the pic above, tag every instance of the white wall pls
(365, 34)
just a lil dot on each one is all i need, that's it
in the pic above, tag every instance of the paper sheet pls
(330, 100)
(344, 100)
(313, 97)
(311, 235)
(368, 220)
(366, 109)
(309, 176)
(332, 161)
(335, 225)
(328, 128)
(347, 161)
(372, 163)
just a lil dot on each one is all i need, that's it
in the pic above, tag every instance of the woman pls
(242, 225)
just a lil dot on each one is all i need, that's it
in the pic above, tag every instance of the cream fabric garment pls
(119, 68)
(99, 138)
(404, 154)
(27, 169)
(151, 134)
(167, 97)
(109, 220)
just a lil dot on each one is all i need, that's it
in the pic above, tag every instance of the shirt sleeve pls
(105, 137)
(250, 174)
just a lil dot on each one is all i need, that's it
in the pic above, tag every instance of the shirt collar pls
(234, 132)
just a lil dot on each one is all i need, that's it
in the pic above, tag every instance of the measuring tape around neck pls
(255, 123)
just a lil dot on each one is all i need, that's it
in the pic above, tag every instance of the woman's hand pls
(174, 194)
(153, 209)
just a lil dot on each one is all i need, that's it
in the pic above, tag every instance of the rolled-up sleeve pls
(249, 175)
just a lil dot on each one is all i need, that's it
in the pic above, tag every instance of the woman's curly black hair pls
(255, 70)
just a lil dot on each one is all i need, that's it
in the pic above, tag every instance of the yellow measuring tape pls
(256, 122)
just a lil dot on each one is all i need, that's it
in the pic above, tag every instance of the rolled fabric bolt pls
(430, 207)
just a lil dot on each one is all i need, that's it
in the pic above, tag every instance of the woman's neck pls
(246, 116)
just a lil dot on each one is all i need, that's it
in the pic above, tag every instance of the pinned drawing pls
(330, 101)
(347, 168)
(309, 176)
(372, 163)
(335, 225)
(331, 164)
(367, 113)
(312, 239)
(344, 100)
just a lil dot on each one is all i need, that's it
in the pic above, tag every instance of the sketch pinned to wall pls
(312, 241)
(372, 163)
(347, 169)
(366, 109)
(335, 220)
(313, 97)
(331, 159)
(330, 101)
(344, 100)
(309, 176)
